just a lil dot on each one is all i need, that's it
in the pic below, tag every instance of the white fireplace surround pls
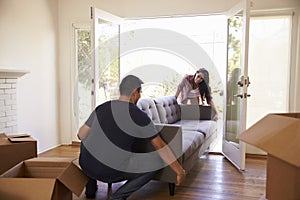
(8, 101)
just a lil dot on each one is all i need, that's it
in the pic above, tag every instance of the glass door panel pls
(107, 75)
(106, 50)
(82, 93)
(235, 35)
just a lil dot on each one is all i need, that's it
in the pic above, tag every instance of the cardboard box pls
(43, 178)
(279, 136)
(14, 149)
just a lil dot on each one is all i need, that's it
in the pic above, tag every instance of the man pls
(108, 138)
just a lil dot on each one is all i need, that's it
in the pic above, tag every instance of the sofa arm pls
(172, 135)
(196, 112)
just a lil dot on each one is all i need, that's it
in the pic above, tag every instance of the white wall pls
(28, 41)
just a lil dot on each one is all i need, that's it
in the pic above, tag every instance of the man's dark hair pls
(128, 84)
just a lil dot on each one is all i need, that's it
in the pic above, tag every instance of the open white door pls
(237, 83)
(105, 56)
(97, 64)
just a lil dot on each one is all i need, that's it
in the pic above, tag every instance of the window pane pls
(108, 69)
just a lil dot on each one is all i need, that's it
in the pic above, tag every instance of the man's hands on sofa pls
(180, 177)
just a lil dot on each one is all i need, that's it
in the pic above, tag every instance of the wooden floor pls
(212, 178)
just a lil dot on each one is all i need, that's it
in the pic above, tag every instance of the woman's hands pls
(216, 117)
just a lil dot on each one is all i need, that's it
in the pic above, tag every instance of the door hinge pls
(91, 12)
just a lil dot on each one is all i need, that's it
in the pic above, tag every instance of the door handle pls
(243, 81)
(238, 95)
(240, 83)
(245, 95)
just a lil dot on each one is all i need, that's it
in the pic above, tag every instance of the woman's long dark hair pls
(204, 87)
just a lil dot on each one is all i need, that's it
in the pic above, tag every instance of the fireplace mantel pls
(8, 102)
(12, 73)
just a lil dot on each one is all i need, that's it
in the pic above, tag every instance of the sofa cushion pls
(168, 109)
(203, 126)
(148, 106)
(192, 140)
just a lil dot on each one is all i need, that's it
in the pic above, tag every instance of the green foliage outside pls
(84, 58)
(234, 43)
(108, 70)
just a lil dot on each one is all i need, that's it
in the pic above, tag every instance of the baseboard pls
(48, 149)
(215, 153)
(256, 156)
(248, 155)
(75, 143)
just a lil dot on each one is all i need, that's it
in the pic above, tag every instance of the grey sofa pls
(188, 129)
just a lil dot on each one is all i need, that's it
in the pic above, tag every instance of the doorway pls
(210, 35)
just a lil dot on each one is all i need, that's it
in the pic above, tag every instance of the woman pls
(196, 89)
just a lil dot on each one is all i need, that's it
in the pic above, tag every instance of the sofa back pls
(148, 106)
(164, 110)
(168, 109)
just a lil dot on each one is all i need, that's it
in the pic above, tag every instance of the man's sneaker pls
(90, 196)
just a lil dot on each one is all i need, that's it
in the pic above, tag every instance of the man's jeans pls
(133, 183)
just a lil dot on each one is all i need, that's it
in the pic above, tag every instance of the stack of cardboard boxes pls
(14, 149)
(26, 176)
